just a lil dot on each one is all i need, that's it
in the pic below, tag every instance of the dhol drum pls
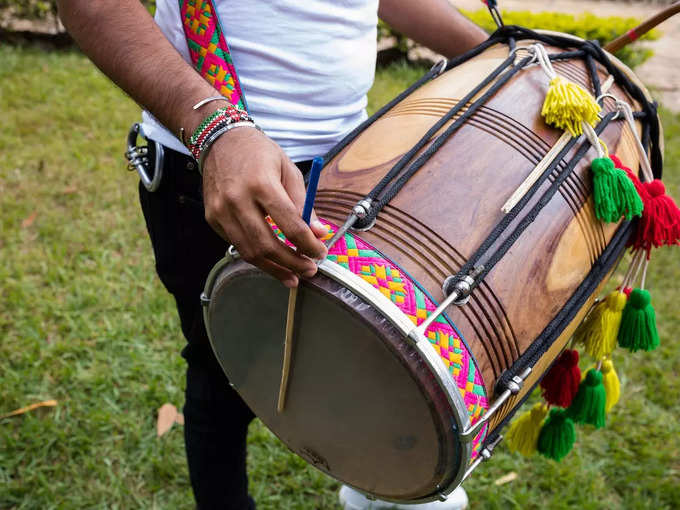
(427, 327)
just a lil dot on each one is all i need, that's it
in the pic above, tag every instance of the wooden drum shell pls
(450, 206)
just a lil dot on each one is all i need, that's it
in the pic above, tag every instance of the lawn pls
(83, 320)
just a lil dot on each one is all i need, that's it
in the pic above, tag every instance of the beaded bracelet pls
(214, 122)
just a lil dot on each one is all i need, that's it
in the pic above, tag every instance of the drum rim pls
(404, 325)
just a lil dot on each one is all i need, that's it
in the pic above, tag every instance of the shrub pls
(586, 26)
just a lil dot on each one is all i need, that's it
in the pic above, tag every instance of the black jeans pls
(216, 419)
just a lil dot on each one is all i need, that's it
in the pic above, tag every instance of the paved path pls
(661, 73)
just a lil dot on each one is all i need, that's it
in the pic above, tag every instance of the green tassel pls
(557, 435)
(638, 323)
(589, 403)
(614, 193)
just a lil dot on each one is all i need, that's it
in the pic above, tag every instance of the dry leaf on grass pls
(22, 410)
(511, 476)
(69, 190)
(167, 416)
(29, 220)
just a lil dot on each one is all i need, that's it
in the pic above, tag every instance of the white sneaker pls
(354, 500)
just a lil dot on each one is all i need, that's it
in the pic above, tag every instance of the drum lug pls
(513, 387)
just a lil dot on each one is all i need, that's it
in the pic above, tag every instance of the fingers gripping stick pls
(317, 165)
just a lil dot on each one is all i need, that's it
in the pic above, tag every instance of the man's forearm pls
(432, 23)
(122, 39)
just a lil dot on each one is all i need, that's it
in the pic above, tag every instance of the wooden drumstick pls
(314, 173)
(545, 162)
(643, 28)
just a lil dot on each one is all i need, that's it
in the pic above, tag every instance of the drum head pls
(361, 404)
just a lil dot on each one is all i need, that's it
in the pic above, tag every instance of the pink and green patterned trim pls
(365, 261)
(209, 50)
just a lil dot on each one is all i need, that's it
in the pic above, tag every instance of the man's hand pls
(247, 176)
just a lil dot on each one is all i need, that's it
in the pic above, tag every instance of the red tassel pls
(660, 222)
(561, 382)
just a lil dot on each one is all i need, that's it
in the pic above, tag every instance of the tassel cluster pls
(626, 316)
(567, 105)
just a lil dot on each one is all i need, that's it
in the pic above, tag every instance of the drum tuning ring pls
(439, 67)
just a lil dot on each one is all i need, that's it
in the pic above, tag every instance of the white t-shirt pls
(305, 66)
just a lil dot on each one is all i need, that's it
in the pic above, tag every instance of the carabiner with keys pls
(138, 158)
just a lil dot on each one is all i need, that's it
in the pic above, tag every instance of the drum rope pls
(594, 77)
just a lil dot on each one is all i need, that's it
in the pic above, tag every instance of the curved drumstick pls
(314, 173)
(637, 32)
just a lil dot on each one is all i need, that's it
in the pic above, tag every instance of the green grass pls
(84, 320)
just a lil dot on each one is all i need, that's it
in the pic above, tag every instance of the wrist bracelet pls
(212, 138)
(202, 102)
(222, 116)
(208, 100)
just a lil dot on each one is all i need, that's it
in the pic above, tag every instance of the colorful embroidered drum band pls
(208, 49)
(375, 268)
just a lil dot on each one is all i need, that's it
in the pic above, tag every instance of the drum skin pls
(450, 205)
(362, 404)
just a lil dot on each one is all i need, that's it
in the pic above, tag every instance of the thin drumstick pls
(643, 28)
(287, 349)
(545, 162)
(314, 173)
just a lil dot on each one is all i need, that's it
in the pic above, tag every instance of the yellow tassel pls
(523, 433)
(598, 333)
(567, 104)
(612, 386)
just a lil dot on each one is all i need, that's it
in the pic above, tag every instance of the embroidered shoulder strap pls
(208, 49)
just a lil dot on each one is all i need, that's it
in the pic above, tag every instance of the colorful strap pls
(208, 49)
